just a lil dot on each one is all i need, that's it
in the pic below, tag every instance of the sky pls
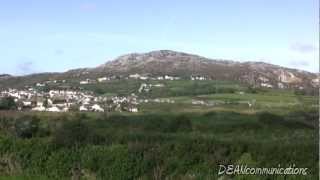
(58, 35)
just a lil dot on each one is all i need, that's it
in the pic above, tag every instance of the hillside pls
(184, 65)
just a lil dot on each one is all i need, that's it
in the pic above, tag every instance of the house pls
(102, 79)
(200, 78)
(134, 76)
(144, 77)
(40, 84)
(266, 85)
(26, 103)
(158, 85)
(39, 108)
(280, 85)
(83, 108)
(97, 108)
(53, 109)
(166, 77)
(84, 82)
(197, 102)
(133, 109)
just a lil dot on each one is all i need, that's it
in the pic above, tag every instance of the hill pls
(184, 65)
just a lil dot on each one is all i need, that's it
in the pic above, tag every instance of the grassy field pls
(177, 140)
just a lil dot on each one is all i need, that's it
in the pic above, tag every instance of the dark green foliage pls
(309, 91)
(7, 103)
(160, 146)
(270, 119)
(294, 120)
(252, 90)
(299, 92)
(26, 126)
(72, 133)
(180, 123)
(255, 90)
(225, 90)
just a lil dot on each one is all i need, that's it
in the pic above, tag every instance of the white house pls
(39, 108)
(84, 82)
(97, 108)
(83, 108)
(134, 76)
(133, 109)
(26, 103)
(54, 109)
(40, 85)
(168, 77)
(102, 79)
(143, 77)
(266, 85)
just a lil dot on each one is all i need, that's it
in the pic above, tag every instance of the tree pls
(7, 103)
(45, 103)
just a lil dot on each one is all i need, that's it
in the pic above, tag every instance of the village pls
(68, 100)
(75, 98)
(64, 100)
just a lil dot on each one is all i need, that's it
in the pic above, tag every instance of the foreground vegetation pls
(154, 146)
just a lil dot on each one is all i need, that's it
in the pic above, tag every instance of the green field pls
(177, 140)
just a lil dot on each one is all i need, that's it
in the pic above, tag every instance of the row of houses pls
(68, 100)
(145, 77)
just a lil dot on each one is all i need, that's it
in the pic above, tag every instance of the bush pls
(299, 92)
(26, 126)
(180, 123)
(7, 103)
(251, 90)
(226, 90)
(72, 133)
(269, 118)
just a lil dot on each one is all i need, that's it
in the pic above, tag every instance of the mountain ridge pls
(174, 63)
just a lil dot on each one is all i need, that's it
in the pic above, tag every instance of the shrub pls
(26, 126)
(251, 89)
(299, 92)
(180, 123)
(7, 103)
(269, 118)
(72, 133)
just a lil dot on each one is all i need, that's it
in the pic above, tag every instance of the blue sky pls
(57, 35)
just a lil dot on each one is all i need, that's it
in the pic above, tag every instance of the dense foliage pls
(154, 146)
(7, 103)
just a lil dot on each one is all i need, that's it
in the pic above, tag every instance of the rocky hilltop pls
(167, 62)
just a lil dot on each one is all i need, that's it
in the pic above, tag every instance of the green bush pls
(270, 119)
(181, 123)
(26, 126)
(72, 133)
(163, 146)
(7, 103)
